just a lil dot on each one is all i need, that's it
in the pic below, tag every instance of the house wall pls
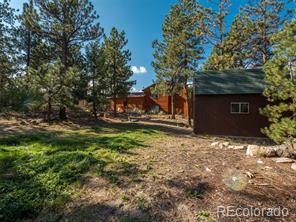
(162, 101)
(212, 115)
(119, 104)
(136, 102)
(132, 103)
(147, 102)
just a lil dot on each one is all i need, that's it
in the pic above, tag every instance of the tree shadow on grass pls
(31, 182)
(40, 170)
(59, 141)
(149, 129)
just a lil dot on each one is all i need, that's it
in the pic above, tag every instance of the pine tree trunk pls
(114, 87)
(264, 37)
(63, 113)
(95, 110)
(115, 107)
(264, 56)
(189, 105)
(49, 110)
(64, 68)
(221, 29)
(173, 106)
(94, 99)
(28, 51)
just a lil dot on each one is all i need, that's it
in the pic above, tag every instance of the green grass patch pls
(42, 170)
(204, 216)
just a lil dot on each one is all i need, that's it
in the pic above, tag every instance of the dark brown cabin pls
(228, 103)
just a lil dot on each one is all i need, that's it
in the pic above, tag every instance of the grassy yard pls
(43, 169)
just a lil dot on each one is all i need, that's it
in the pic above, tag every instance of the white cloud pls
(139, 70)
(133, 89)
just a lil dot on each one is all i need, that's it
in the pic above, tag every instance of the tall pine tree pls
(96, 72)
(27, 38)
(248, 43)
(237, 50)
(166, 59)
(177, 56)
(190, 42)
(8, 65)
(268, 16)
(220, 12)
(66, 24)
(118, 69)
(216, 32)
(48, 81)
(167, 81)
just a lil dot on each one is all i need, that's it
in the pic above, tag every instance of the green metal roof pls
(238, 81)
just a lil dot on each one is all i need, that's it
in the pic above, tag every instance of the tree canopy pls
(281, 86)
(248, 42)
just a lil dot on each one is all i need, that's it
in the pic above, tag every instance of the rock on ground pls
(215, 144)
(293, 167)
(283, 160)
(273, 151)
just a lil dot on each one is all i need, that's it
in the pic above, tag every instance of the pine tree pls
(177, 56)
(219, 31)
(249, 41)
(67, 24)
(117, 60)
(8, 66)
(280, 77)
(166, 59)
(26, 36)
(191, 40)
(167, 81)
(216, 33)
(48, 81)
(267, 16)
(237, 50)
(7, 21)
(80, 88)
(96, 70)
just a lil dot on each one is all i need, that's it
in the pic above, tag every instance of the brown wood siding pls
(162, 101)
(180, 104)
(119, 104)
(147, 102)
(212, 115)
(135, 103)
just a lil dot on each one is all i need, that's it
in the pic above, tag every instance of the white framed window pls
(240, 108)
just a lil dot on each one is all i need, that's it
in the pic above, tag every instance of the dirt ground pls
(176, 178)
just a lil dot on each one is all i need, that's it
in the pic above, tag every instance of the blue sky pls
(142, 21)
